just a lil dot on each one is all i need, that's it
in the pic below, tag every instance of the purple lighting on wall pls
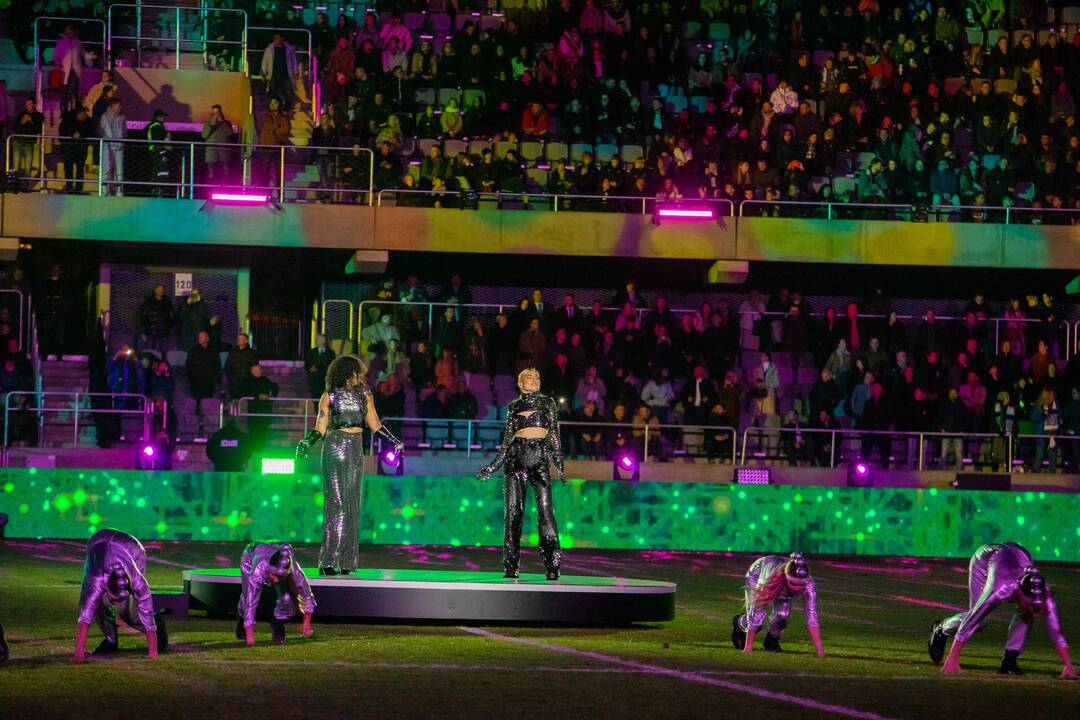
(235, 198)
(685, 213)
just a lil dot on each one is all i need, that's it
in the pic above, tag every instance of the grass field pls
(875, 618)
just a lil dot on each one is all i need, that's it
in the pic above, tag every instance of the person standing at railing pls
(274, 129)
(260, 389)
(324, 137)
(75, 129)
(159, 136)
(113, 127)
(70, 56)
(238, 365)
(28, 128)
(217, 132)
(1047, 417)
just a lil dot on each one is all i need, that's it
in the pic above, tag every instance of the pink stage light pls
(238, 198)
(148, 451)
(698, 213)
(390, 458)
(862, 469)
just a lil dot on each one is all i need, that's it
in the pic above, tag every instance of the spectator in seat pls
(395, 30)
(355, 173)
(589, 440)
(877, 417)
(261, 389)
(451, 120)
(534, 122)
(238, 365)
(155, 321)
(501, 346)
(532, 347)
(784, 100)
(697, 397)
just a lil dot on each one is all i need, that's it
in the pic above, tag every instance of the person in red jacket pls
(534, 121)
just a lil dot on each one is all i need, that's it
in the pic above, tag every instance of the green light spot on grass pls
(753, 526)
(24, 508)
(63, 503)
(465, 502)
(407, 512)
(607, 530)
(33, 471)
(839, 514)
(9, 486)
(204, 530)
(742, 495)
(829, 494)
(691, 510)
(382, 526)
(871, 513)
(764, 518)
(479, 503)
(1020, 520)
(849, 521)
(675, 493)
(140, 503)
(275, 498)
(570, 526)
(786, 506)
(674, 506)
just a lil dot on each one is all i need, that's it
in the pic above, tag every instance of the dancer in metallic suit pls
(530, 442)
(264, 564)
(344, 409)
(999, 574)
(114, 578)
(773, 580)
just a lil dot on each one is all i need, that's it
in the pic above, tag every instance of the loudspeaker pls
(368, 262)
(983, 481)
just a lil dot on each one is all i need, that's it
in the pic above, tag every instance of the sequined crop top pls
(530, 410)
(348, 408)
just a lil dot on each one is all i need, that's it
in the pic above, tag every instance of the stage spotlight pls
(859, 474)
(278, 466)
(680, 213)
(149, 451)
(625, 467)
(753, 476)
(238, 198)
(391, 462)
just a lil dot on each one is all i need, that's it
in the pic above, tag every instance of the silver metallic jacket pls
(105, 551)
(759, 573)
(541, 412)
(293, 591)
(994, 576)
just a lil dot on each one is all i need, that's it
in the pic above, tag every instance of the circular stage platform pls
(451, 596)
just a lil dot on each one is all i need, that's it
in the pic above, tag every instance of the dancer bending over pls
(530, 442)
(773, 580)
(344, 409)
(999, 574)
(114, 583)
(272, 564)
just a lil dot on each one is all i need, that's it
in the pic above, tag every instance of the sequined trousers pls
(343, 468)
(528, 462)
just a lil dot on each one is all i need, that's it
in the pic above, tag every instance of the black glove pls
(303, 448)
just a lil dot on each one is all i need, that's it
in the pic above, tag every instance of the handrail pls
(187, 182)
(76, 407)
(1009, 210)
(554, 198)
(39, 53)
(204, 42)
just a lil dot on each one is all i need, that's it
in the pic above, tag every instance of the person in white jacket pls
(113, 126)
(71, 57)
(784, 99)
(279, 69)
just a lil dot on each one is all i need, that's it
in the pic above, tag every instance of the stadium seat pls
(451, 148)
(539, 178)
(531, 151)
(818, 182)
(424, 145)
(692, 30)
(414, 21)
(719, 31)
(974, 35)
(993, 35)
(445, 94)
(676, 104)
(699, 102)
(771, 81)
(1025, 189)
(424, 96)
(490, 23)
(577, 149)
(556, 151)
(461, 19)
(953, 85)
(605, 152)
(844, 187)
(1004, 86)
(990, 160)
(471, 94)
(440, 23)
(964, 138)
(477, 147)
(748, 78)
(820, 56)
(862, 160)
(1070, 15)
(630, 153)
(502, 147)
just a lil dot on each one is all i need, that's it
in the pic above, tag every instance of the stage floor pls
(458, 596)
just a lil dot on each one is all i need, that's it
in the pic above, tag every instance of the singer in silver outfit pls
(771, 582)
(999, 574)
(530, 443)
(114, 584)
(344, 410)
(269, 564)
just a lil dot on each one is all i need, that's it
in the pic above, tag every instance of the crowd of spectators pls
(641, 363)
(911, 103)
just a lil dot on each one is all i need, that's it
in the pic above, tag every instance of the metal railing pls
(1000, 214)
(39, 50)
(22, 314)
(181, 168)
(136, 18)
(631, 204)
(763, 444)
(76, 407)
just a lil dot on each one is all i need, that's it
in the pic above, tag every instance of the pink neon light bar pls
(241, 198)
(684, 213)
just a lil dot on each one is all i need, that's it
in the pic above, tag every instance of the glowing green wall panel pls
(594, 514)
